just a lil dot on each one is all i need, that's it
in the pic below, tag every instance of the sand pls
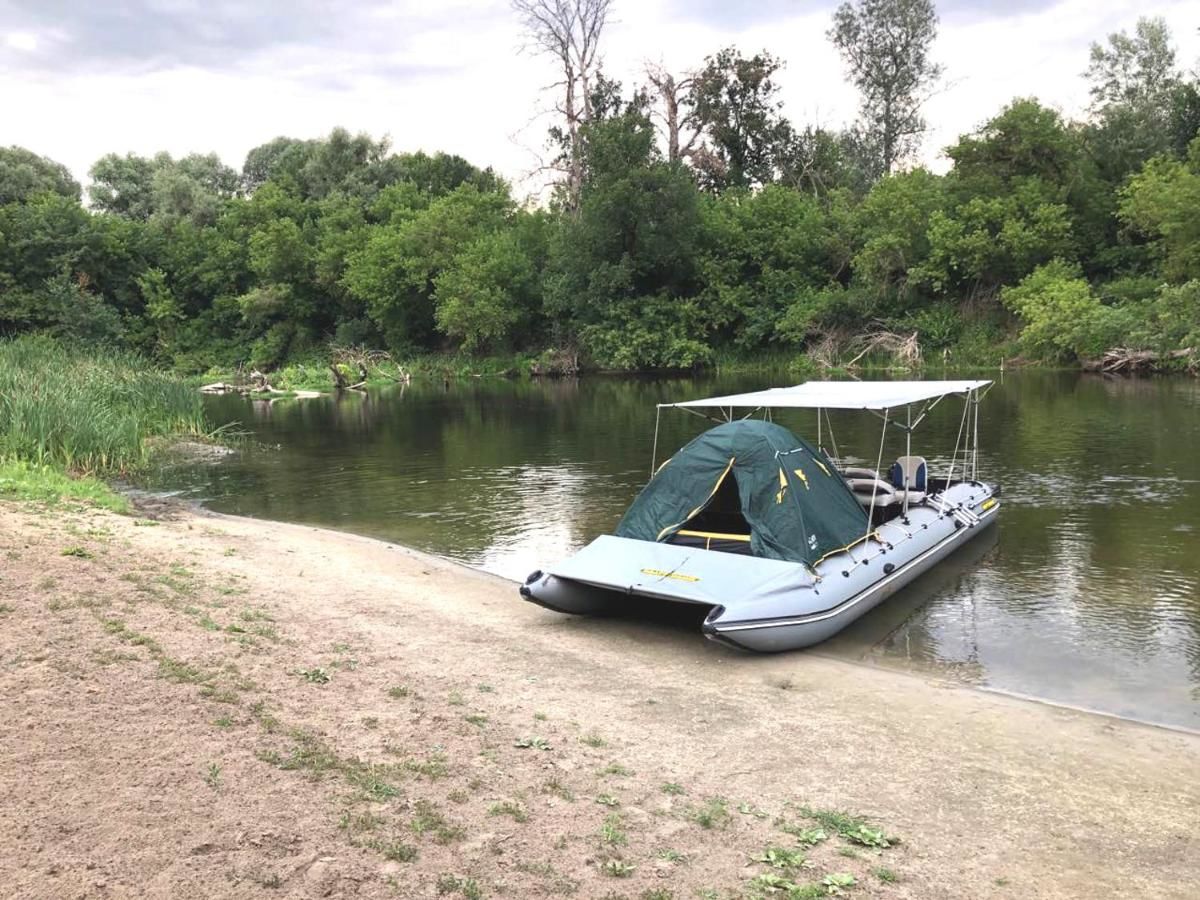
(206, 706)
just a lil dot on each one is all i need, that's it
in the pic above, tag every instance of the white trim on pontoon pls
(840, 395)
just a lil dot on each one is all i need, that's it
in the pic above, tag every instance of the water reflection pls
(1087, 593)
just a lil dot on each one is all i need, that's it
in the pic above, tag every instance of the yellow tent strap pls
(863, 539)
(695, 512)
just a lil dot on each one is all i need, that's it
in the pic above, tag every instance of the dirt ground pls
(204, 706)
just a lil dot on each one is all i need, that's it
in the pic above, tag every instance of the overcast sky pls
(83, 78)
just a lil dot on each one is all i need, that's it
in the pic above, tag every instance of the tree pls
(670, 108)
(764, 249)
(621, 276)
(1161, 202)
(569, 31)
(395, 273)
(818, 161)
(140, 187)
(24, 175)
(886, 45)
(1137, 99)
(733, 102)
(123, 185)
(485, 291)
(1135, 70)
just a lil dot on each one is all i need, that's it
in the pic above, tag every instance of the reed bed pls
(88, 410)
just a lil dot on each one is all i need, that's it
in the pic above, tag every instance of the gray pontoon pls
(781, 543)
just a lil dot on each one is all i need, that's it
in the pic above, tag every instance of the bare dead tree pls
(672, 94)
(569, 32)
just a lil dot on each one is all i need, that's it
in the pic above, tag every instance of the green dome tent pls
(749, 485)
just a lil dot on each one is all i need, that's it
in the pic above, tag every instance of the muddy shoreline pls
(205, 705)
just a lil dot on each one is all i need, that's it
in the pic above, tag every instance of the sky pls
(81, 78)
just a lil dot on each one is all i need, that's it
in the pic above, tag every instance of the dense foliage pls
(1067, 238)
(87, 410)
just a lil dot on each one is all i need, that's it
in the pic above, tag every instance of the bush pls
(1062, 317)
(648, 332)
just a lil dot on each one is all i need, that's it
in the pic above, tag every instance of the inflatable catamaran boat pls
(781, 542)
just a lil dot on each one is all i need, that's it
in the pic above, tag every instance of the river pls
(1086, 594)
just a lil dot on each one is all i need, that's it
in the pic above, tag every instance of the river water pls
(1087, 593)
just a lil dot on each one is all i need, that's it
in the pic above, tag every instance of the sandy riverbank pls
(207, 706)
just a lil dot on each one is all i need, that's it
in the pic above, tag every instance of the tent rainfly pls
(789, 497)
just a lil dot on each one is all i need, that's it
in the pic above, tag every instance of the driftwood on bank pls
(904, 349)
(1125, 361)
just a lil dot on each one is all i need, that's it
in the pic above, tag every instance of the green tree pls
(484, 293)
(1161, 202)
(733, 102)
(25, 175)
(621, 278)
(763, 250)
(886, 44)
(892, 227)
(1136, 97)
(394, 273)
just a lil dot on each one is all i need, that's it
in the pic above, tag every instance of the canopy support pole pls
(907, 453)
(875, 483)
(654, 451)
(975, 439)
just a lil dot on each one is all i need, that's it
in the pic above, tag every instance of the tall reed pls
(88, 410)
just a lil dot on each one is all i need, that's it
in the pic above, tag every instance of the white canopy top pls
(841, 395)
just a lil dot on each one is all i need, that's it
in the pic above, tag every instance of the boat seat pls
(910, 473)
(866, 488)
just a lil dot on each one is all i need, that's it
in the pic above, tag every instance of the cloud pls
(141, 36)
(90, 77)
(725, 14)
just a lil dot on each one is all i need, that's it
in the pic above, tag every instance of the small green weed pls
(886, 875)
(509, 808)
(783, 858)
(673, 787)
(213, 776)
(713, 814)
(809, 837)
(617, 868)
(427, 819)
(608, 800)
(615, 769)
(465, 887)
(315, 675)
(852, 828)
(532, 743)
(433, 767)
(612, 831)
(592, 739)
(672, 856)
(394, 850)
(556, 787)
(838, 881)
(477, 719)
(78, 553)
(399, 691)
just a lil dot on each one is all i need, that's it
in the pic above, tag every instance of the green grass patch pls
(23, 480)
